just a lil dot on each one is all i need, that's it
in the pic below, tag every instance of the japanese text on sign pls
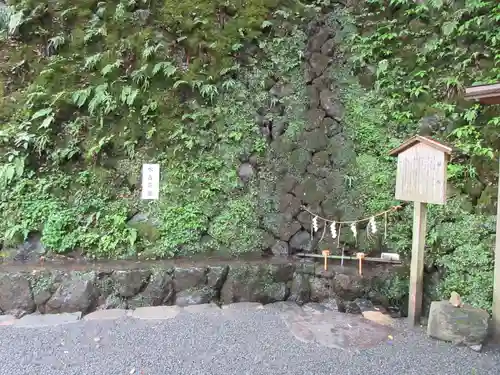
(150, 181)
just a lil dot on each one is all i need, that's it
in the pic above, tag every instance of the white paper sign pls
(150, 181)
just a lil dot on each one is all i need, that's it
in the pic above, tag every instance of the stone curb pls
(46, 320)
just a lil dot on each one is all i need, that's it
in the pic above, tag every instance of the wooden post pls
(496, 273)
(417, 262)
(420, 178)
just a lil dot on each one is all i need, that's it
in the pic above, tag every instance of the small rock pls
(246, 172)
(331, 104)
(455, 299)
(476, 348)
(280, 248)
(364, 304)
(318, 63)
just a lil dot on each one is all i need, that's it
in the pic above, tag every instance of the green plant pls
(99, 89)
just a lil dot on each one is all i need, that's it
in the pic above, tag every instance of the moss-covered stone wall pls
(252, 109)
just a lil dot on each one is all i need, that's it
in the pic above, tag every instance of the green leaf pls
(46, 122)
(382, 67)
(449, 27)
(41, 113)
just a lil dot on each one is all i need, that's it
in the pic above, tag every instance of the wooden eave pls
(420, 139)
(485, 94)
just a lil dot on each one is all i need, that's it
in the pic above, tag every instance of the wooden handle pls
(325, 254)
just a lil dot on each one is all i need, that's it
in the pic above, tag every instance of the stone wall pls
(311, 166)
(57, 290)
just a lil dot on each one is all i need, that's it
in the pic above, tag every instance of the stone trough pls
(87, 288)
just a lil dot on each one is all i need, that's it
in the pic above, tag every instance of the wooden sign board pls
(150, 181)
(421, 178)
(421, 172)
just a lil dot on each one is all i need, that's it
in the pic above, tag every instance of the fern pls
(92, 61)
(57, 42)
(166, 68)
(110, 67)
(140, 77)
(80, 97)
(128, 95)
(150, 51)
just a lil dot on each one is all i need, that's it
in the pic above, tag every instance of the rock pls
(314, 140)
(331, 104)
(320, 289)
(348, 287)
(75, 294)
(187, 278)
(15, 294)
(313, 96)
(316, 42)
(253, 284)
(278, 128)
(460, 325)
(29, 251)
(112, 302)
(246, 172)
(364, 304)
(309, 74)
(351, 307)
(300, 241)
(455, 299)
(289, 206)
(311, 191)
(429, 125)
(146, 227)
(331, 304)
(216, 276)
(318, 63)
(280, 248)
(301, 289)
(129, 282)
(476, 348)
(299, 159)
(194, 297)
(314, 308)
(331, 126)
(314, 118)
(328, 48)
(159, 291)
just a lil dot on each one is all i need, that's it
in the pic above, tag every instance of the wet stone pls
(43, 320)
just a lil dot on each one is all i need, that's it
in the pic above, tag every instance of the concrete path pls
(239, 339)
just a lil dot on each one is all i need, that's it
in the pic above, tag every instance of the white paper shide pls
(150, 181)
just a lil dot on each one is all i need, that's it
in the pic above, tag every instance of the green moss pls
(121, 89)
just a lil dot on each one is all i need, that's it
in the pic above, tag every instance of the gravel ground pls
(253, 343)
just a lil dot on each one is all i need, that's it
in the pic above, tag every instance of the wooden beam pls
(496, 272)
(417, 263)
(486, 94)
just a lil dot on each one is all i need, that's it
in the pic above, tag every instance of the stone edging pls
(58, 291)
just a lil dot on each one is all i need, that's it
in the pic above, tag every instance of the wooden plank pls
(417, 263)
(421, 175)
(482, 90)
(496, 273)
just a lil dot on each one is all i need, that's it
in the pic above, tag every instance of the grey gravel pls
(251, 342)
